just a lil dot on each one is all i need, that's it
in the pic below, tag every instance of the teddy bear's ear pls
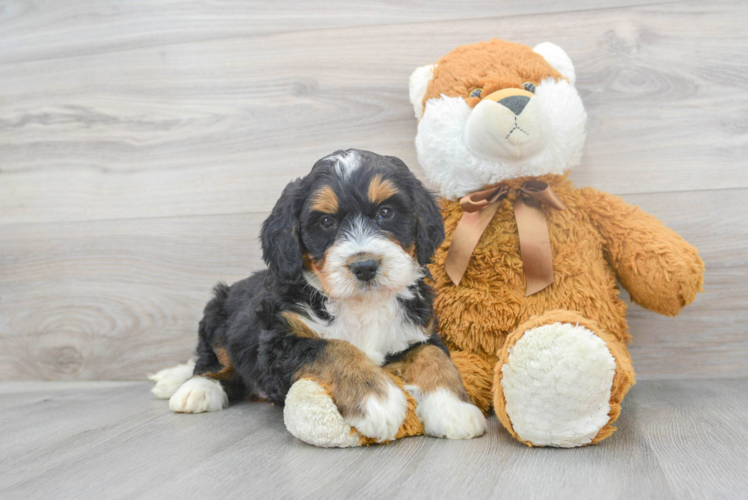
(419, 83)
(557, 58)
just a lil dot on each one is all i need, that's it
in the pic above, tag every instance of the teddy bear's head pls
(496, 110)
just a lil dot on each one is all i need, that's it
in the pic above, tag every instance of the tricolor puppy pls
(343, 300)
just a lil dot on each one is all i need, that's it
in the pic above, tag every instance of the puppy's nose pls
(516, 103)
(365, 270)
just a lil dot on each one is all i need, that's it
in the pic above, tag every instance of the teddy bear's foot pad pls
(557, 385)
(311, 416)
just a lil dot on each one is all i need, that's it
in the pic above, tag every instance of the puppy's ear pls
(429, 226)
(281, 245)
(429, 223)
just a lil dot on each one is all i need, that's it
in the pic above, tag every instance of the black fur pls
(281, 248)
(429, 224)
(246, 318)
(433, 340)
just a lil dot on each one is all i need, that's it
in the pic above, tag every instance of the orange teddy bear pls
(526, 280)
(527, 299)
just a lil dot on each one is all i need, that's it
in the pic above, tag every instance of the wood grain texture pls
(113, 299)
(219, 125)
(142, 144)
(31, 30)
(709, 337)
(676, 439)
(118, 299)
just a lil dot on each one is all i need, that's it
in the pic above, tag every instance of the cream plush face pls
(494, 111)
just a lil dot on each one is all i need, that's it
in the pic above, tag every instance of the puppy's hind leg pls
(169, 380)
(206, 390)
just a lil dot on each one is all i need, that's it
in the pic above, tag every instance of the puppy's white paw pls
(444, 415)
(169, 380)
(198, 395)
(382, 417)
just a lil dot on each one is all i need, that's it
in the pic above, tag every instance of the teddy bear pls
(525, 281)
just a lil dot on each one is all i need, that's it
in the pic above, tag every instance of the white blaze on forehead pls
(345, 162)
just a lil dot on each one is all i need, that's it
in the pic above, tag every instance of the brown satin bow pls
(534, 242)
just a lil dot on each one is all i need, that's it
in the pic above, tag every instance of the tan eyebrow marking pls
(325, 200)
(380, 190)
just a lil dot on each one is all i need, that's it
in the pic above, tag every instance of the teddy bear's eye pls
(529, 86)
(476, 92)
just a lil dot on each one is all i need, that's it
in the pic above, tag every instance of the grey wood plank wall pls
(142, 144)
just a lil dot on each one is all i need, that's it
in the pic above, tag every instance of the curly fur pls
(595, 241)
(341, 307)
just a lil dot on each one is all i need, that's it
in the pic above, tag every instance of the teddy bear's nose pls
(516, 103)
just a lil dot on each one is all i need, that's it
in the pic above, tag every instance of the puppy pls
(343, 301)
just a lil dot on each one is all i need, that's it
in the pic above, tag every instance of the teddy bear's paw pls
(311, 416)
(198, 395)
(444, 415)
(557, 385)
(169, 380)
(381, 416)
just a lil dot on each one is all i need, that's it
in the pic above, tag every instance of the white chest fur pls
(378, 328)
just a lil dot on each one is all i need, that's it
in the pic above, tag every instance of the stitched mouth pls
(516, 127)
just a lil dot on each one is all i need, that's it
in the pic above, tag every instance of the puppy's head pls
(358, 224)
(497, 110)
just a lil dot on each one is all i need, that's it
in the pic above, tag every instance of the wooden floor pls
(676, 439)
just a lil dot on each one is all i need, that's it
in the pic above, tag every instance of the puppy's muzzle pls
(365, 270)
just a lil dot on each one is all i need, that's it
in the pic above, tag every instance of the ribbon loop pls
(481, 199)
(541, 192)
(534, 240)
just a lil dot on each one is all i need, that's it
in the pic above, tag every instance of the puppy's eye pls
(328, 222)
(385, 213)
(529, 86)
(476, 92)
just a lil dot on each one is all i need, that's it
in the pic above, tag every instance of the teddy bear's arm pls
(661, 271)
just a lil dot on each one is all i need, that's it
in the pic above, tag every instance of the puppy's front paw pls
(381, 416)
(444, 415)
(198, 395)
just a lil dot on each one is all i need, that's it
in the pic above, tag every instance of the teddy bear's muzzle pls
(507, 124)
